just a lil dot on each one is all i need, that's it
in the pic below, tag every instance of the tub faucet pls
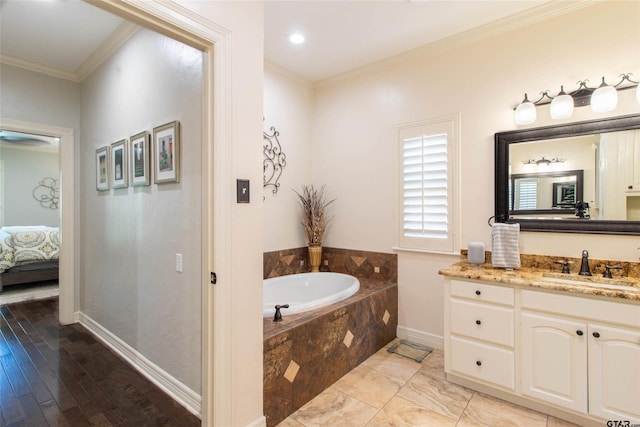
(278, 316)
(584, 267)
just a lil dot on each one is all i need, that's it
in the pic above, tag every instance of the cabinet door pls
(614, 373)
(554, 360)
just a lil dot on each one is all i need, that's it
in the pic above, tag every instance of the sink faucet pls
(584, 267)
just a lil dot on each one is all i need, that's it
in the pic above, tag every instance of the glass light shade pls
(525, 112)
(604, 99)
(561, 106)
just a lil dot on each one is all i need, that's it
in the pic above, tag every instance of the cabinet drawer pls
(482, 292)
(584, 308)
(484, 362)
(482, 321)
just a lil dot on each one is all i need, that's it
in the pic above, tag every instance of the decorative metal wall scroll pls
(274, 159)
(47, 193)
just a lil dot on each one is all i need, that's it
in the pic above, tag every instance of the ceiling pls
(341, 35)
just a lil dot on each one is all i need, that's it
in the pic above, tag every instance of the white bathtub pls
(306, 291)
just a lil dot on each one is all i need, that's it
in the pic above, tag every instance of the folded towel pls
(504, 239)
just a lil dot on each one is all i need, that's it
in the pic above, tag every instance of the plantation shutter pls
(527, 194)
(427, 163)
(425, 187)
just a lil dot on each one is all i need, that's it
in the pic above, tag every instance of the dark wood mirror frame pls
(568, 225)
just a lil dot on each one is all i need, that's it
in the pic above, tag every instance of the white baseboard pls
(260, 422)
(420, 337)
(182, 394)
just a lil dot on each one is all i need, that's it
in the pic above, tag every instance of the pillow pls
(6, 251)
(34, 246)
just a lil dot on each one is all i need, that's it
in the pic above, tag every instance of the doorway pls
(66, 205)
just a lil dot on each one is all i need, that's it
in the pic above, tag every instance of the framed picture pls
(119, 164)
(139, 159)
(166, 153)
(564, 194)
(102, 168)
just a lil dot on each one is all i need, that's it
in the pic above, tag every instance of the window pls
(527, 194)
(428, 160)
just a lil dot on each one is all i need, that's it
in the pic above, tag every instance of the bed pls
(28, 254)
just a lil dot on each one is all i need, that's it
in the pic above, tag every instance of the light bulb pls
(561, 106)
(525, 112)
(604, 99)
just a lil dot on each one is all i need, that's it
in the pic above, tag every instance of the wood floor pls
(52, 375)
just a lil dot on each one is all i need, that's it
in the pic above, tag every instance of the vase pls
(315, 258)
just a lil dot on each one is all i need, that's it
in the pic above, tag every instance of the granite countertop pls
(627, 288)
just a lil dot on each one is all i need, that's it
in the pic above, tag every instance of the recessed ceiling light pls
(296, 38)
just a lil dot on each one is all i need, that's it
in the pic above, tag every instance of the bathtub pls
(306, 291)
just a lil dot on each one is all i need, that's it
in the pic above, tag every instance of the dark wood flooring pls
(52, 375)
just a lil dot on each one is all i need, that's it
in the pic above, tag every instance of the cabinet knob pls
(478, 292)
(579, 332)
(479, 363)
(630, 187)
(478, 322)
(596, 334)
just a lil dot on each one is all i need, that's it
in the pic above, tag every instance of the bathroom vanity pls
(562, 344)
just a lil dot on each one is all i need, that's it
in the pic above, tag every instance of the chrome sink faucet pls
(584, 266)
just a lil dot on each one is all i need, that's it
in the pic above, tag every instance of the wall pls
(354, 140)
(288, 107)
(23, 170)
(130, 236)
(38, 98)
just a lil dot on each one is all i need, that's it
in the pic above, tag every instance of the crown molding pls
(118, 38)
(38, 68)
(101, 54)
(505, 25)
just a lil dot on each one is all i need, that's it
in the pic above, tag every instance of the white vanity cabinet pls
(614, 372)
(481, 332)
(554, 360)
(568, 355)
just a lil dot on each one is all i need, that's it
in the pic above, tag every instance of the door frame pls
(179, 23)
(67, 285)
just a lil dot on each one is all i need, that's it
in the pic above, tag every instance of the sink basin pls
(587, 281)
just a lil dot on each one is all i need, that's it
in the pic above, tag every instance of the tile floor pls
(391, 390)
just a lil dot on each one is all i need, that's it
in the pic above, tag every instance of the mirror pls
(554, 193)
(580, 177)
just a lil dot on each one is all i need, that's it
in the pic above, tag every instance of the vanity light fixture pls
(601, 99)
(561, 106)
(543, 161)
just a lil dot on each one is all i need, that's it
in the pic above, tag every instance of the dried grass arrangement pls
(313, 203)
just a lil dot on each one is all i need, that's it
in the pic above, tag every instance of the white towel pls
(504, 239)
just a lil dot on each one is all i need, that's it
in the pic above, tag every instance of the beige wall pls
(353, 135)
(130, 236)
(288, 107)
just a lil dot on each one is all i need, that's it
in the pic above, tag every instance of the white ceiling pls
(341, 35)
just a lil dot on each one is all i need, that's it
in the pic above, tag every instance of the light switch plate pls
(242, 190)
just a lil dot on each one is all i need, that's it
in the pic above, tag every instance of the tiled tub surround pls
(307, 352)
(361, 264)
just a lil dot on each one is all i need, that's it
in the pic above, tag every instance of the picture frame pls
(119, 171)
(102, 168)
(564, 194)
(166, 153)
(139, 159)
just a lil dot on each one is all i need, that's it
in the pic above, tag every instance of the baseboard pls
(260, 422)
(420, 337)
(182, 394)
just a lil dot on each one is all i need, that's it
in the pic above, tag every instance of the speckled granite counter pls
(626, 288)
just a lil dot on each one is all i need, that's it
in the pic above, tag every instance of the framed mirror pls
(585, 177)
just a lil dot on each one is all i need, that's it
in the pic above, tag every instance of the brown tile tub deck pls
(307, 352)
